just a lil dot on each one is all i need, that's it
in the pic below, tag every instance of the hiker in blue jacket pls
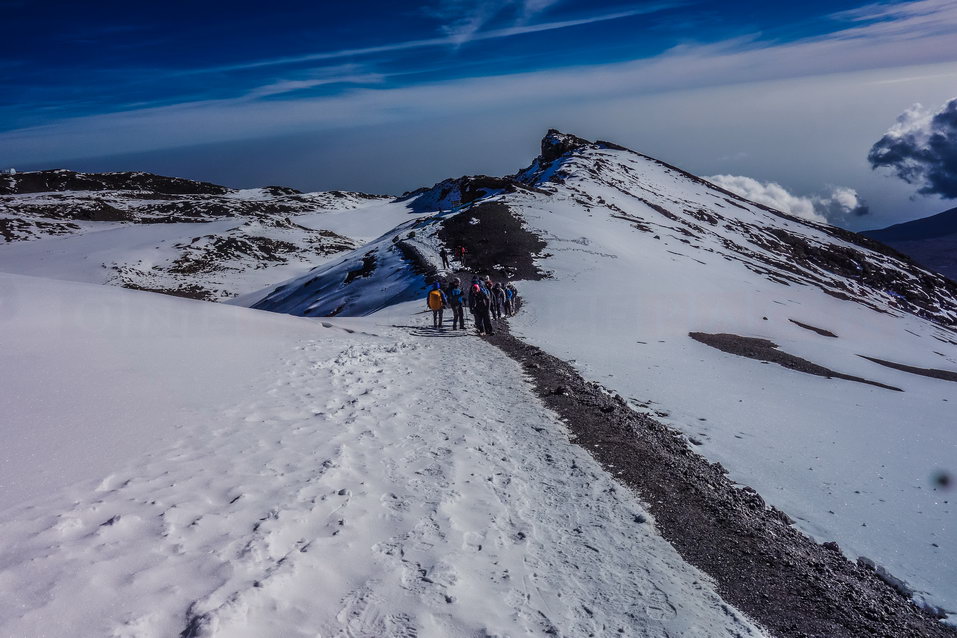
(509, 294)
(456, 297)
(512, 299)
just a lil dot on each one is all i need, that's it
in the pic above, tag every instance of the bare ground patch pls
(820, 331)
(495, 240)
(765, 350)
(946, 375)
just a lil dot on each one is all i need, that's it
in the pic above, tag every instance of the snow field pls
(103, 251)
(850, 462)
(359, 485)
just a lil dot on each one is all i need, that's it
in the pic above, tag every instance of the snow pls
(94, 376)
(117, 253)
(851, 462)
(375, 277)
(186, 468)
(366, 224)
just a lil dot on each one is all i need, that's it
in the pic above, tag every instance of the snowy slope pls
(186, 238)
(852, 462)
(40, 204)
(641, 254)
(286, 479)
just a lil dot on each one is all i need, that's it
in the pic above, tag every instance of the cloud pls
(836, 207)
(466, 18)
(449, 39)
(921, 149)
(343, 74)
(279, 106)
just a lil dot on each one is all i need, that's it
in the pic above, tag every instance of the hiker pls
(498, 300)
(480, 304)
(513, 302)
(509, 294)
(456, 297)
(444, 254)
(461, 251)
(471, 299)
(436, 302)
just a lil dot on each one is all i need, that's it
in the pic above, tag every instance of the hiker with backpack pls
(436, 302)
(444, 254)
(512, 299)
(480, 304)
(456, 297)
(509, 294)
(498, 299)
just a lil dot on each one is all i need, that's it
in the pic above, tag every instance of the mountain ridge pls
(829, 342)
(930, 241)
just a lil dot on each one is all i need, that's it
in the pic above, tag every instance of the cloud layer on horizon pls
(921, 149)
(836, 206)
(916, 33)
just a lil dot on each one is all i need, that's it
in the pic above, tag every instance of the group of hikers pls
(485, 300)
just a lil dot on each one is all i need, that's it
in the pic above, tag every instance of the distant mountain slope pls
(59, 179)
(168, 234)
(60, 202)
(931, 241)
(818, 370)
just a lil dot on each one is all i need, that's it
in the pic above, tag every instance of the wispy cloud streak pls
(466, 18)
(364, 103)
(443, 41)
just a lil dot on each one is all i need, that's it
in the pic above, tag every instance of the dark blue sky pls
(66, 59)
(251, 87)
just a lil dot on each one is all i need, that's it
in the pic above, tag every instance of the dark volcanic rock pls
(764, 350)
(461, 191)
(64, 180)
(946, 375)
(820, 331)
(555, 144)
(495, 241)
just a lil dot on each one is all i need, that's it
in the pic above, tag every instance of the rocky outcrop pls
(57, 180)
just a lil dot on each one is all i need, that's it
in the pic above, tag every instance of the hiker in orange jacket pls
(436, 301)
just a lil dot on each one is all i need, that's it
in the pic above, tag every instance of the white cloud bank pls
(836, 206)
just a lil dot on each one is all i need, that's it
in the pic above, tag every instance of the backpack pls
(482, 301)
(435, 300)
(456, 297)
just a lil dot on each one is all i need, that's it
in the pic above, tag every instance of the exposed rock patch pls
(63, 180)
(820, 331)
(765, 350)
(946, 375)
(495, 240)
